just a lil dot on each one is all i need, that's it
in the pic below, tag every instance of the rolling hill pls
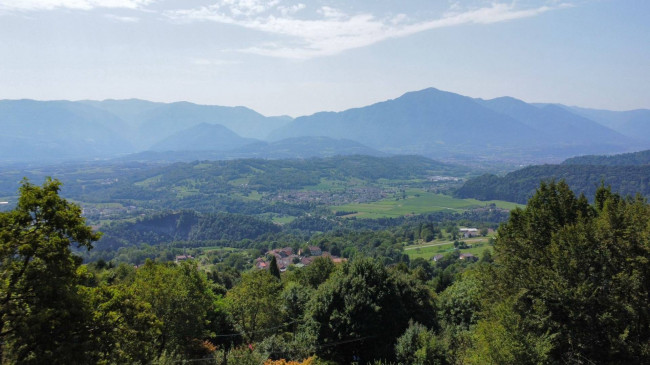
(627, 174)
(626, 159)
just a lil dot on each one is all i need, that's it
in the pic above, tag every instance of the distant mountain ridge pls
(65, 130)
(428, 122)
(555, 123)
(632, 123)
(203, 137)
(302, 147)
(413, 123)
(58, 130)
(434, 123)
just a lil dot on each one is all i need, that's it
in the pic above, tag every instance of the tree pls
(181, 297)
(255, 305)
(41, 309)
(419, 346)
(571, 281)
(362, 308)
(317, 272)
(123, 328)
(273, 267)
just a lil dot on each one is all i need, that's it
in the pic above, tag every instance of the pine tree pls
(275, 271)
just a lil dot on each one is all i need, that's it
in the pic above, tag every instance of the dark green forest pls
(626, 159)
(568, 281)
(520, 185)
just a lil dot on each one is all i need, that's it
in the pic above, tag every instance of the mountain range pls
(428, 122)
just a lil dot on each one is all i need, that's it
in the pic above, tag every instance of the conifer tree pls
(275, 271)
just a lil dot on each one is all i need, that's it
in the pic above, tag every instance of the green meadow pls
(417, 202)
(428, 250)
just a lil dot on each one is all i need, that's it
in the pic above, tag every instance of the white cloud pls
(35, 5)
(123, 19)
(335, 31)
(291, 9)
(211, 62)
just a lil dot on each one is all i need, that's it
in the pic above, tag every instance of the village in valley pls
(285, 257)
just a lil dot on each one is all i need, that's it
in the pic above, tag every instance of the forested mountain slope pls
(520, 185)
(626, 159)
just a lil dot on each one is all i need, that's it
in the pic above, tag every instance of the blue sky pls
(299, 57)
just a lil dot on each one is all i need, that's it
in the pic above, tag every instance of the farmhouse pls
(315, 251)
(469, 232)
(181, 258)
(467, 256)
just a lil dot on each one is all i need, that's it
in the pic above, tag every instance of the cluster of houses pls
(462, 256)
(181, 258)
(285, 257)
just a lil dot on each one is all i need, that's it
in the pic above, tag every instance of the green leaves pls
(41, 316)
(362, 309)
(573, 276)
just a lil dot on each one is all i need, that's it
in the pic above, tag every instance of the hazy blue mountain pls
(557, 126)
(632, 123)
(131, 111)
(429, 122)
(306, 147)
(417, 122)
(626, 159)
(203, 137)
(58, 130)
(168, 119)
(302, 147)
(436, 123)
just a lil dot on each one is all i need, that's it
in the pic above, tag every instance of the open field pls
(417, 202)
(430, 249)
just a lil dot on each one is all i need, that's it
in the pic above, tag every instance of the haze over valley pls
(287, 182)
(429, 122)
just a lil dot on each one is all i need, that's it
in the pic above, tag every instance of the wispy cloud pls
(36, 5)
(333, 31)
(122, 19)
(212, 62)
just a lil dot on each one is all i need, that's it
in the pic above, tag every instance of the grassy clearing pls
(252, 196)
(148, 182)
(326, 184)
(202, 166)
(283, 220)
(240, 181)
(427, 252)
(417, 202)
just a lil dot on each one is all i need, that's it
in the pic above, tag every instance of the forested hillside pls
(626, 159)
(519, 186)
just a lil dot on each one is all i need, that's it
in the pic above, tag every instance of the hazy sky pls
(299, 57)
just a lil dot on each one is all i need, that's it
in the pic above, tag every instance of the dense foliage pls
(520, 185)
(626, 159)
(571, 282)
